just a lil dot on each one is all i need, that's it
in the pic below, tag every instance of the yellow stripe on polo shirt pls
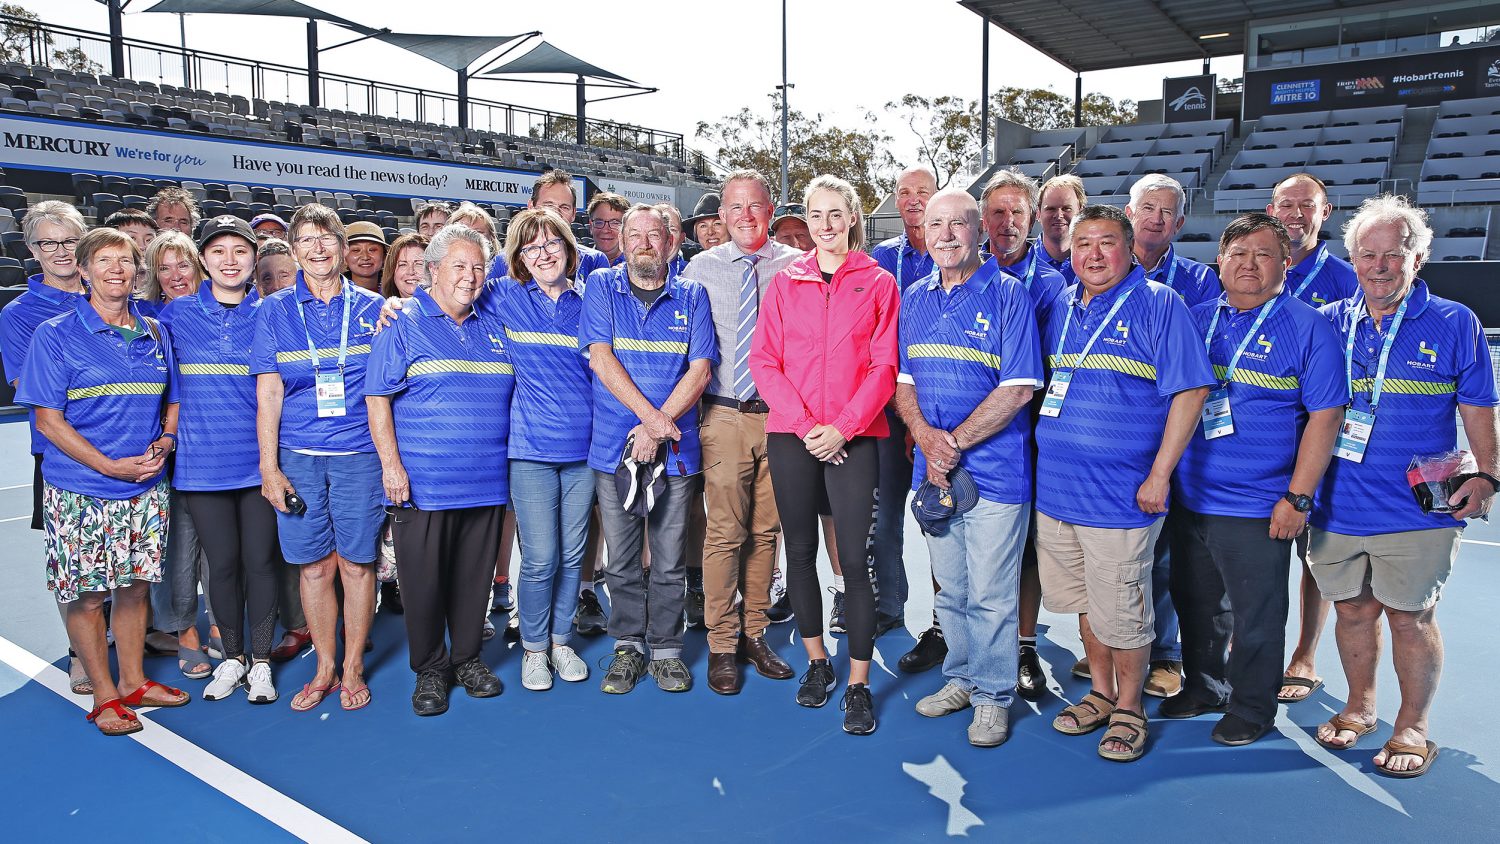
(670, 347)
(212, 369)
(323, 354)
(1113, 363)
(127, 388)
(466, 367)
(1407, 386)
(951, 352)
(543, 338)
(1259, 379)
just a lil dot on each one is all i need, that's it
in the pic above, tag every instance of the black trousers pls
(445, 560)
(1229, 583)
(800, 482)
(238, 535)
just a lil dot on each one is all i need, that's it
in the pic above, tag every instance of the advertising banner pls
(1415, 79)
(1188, 98)
(78, 146)
(646, 192)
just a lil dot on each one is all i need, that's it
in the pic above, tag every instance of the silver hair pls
(52, 211)
(1159, 181)
(1010, 177)
(443, 241)
(1390, 208)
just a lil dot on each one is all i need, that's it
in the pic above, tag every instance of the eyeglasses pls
(327, 241)
(613, 225)
(47, 247)
(793, 209)
(534, 251)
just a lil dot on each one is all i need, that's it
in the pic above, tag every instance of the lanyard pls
(1234, 362)
(1068, 320)
(1172, 272)
(312, 348)
(1317, 268)
(1385, 351)
(900, 261)
(1030, 270)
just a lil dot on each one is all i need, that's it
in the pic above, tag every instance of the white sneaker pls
(535, 673)
(260, 689)
(569, 666)
(227, 677)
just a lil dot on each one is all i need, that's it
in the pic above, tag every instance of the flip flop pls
(349, 694)
(1426, 753)
(311, 696)
(138, 697)
(1341, 724)
(187, 657)
(132, 723)
(1311, 684)
(78, 679)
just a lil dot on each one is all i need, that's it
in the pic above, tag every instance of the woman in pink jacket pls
(824, 360)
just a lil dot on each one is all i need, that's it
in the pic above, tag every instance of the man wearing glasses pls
(651, 344)
(606, 220)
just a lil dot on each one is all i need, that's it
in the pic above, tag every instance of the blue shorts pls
(344, 512)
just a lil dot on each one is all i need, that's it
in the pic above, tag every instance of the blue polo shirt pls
(1094, 456)
(1043, 284)
(956, 348)
(112, 392)
(1292, 367)
(1334, 281)
(1063, 265)
(281, 347)
(450, 385)
(589, 259)
(1196, 283)
(18, 321)
(897, 257)
(655, 345)
(216, 442)
(551, 411)
(1438, 361)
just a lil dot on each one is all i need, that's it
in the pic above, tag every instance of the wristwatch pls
(1302, 503)
(1494, 481)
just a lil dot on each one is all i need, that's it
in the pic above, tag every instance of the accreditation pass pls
(1057, 391)
(1354, 435)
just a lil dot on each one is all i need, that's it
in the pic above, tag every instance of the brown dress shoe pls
(723, 674)
(765, 660)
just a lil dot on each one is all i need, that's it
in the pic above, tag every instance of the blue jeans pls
(552, 503)
(890, 520)
(174, 600)
(1167, 647)
(978, 562)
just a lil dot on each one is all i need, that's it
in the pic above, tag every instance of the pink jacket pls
(825, 352)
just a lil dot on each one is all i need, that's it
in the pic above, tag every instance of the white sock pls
(838, 582)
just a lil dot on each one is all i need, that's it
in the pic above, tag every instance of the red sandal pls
(132, 723)
(138, 697)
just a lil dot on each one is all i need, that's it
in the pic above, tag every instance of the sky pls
(844, 56)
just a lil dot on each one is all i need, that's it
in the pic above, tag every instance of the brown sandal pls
(1122, 729)
(1341, 724)
(1426, 753)
(1088, 715)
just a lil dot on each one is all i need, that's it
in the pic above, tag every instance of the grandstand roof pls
(1086, 35)
(546, 58)
(454, 52)
(272, 8)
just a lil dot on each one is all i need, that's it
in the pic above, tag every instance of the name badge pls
(1057, 391)
(1354, 436)
(330, 387)
(1217, 419)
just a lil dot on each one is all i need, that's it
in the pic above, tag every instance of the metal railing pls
(166, 64)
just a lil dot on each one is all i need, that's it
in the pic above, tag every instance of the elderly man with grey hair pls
(1415, 362)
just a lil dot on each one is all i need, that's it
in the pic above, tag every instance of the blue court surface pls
(575, 765)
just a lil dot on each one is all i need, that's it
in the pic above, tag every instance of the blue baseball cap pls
(934, 506)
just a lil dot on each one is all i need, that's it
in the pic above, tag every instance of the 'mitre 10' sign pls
(1414, 79)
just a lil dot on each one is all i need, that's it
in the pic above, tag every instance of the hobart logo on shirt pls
(1317, 299)
(496, 345)
(366, 326)
(1122, 328)
(1426, 356)
(1262, 349)
(981, 327)
(679, 320)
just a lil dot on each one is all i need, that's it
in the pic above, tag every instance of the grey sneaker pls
(624, 671)
(990, 727)
(945, 701)
(671, 675)
(569, 667)
(536, 675)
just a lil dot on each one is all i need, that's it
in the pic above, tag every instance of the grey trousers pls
(174, 600)
(646, 616)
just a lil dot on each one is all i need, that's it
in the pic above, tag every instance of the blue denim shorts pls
(343, 496)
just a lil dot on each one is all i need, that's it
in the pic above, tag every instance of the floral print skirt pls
(99, 544)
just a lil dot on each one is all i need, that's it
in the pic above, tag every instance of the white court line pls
(233, 783)
(1481, 542)
(15, 519)
(17, 486)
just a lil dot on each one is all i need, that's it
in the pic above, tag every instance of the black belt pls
(751, 406)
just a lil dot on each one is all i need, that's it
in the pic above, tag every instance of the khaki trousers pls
(739, 552)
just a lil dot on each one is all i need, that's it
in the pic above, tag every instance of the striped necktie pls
(744, 387)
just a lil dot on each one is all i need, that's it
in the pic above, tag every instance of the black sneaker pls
(930, 651)
(671, 675)
(693, 608)
(477, 679)
(1031, 680)
(390, 598)
(781, 610)
(817, 684)
(431, 695)
(624, 671)
(859, 710)
(836, 621)
(590, 618)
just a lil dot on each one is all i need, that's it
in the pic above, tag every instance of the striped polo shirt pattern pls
(551, 410)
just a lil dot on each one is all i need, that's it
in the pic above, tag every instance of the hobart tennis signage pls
(73, 146)
(1415, 79)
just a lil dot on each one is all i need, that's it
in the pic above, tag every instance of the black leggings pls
(801, 483)
(237, 529)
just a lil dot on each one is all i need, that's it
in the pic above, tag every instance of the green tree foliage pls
(22, 39)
